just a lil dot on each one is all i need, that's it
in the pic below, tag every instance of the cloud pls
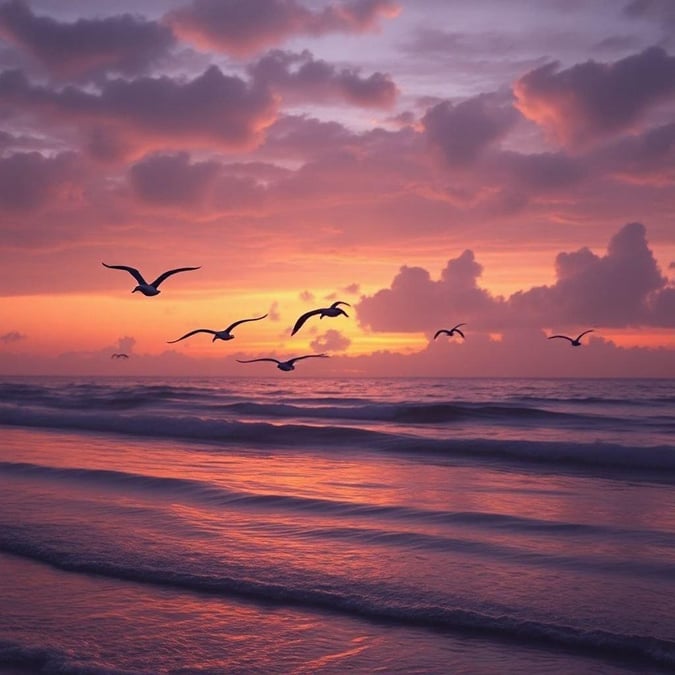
(459, 133)
(171, 179)
(594, 100)
(273, 312)
(126, 44)
(29, 181)
(306, 296)
(648, 156)
(243, 27)
(212, 110)
(12, 336)
(125, 344)
(622, 288)
(332, 340)
(415, 302)
(300, 77)
(659, 10)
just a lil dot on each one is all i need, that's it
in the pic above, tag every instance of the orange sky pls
(427, 162)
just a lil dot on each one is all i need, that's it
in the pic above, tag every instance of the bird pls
(333, 310)
(119, 356)
(450, 332)
(576, 342)
(143, 286)
(287, 365)
(224, 334)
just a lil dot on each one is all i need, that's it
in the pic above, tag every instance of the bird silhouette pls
(143, 286)
(119, 356)
(225, 334)
(575, 342)
(287, 365)
(333, 310)
(450, 332)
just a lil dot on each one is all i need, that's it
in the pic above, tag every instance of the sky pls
(506, 164)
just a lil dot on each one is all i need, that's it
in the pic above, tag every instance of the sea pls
(304, 525)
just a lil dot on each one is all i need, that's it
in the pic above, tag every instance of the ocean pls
(300, 525)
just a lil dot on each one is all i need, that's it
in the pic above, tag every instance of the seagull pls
(333, 310)
(143, 286)
(224, 334)
(287, 365)
(576, 342)
(120, 356)
(450, 332)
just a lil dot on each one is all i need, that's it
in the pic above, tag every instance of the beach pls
(295, 525)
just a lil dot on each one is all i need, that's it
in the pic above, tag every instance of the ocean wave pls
(205, 493)
(317, 438)
(31, 659)
(359, 599)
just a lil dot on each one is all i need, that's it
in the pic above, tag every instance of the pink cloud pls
(594, 100)
(300, 77)
(332, 340)
(30, 181)
(211, 110)
(415, 302)
(243, 27)
(622, 288)
(125, 43)
(171, 179)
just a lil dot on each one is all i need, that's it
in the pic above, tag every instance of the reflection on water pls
(152, 553)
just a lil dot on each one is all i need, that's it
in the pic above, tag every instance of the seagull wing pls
(590, 330)
(440, 332)
(564, 337)
(193, 332)
(254, 360)
(301, 320)
(167, 274)
(337, 303)
(458, 331)
(457, 326)
(132, 270)
(236, 323)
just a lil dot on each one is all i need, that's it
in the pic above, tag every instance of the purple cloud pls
(171, 179)
(126, 43)
(593, 100)
(415, 302)
(210, 110)
(301, 77)
(622, 288)
(459, 133)
(29, 180)
(243, 27)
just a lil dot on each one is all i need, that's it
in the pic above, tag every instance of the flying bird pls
(333, 310)
(119, 356)
(576, 342)
(224, 334)
(143, 286)
(290, 364)
(450, 332)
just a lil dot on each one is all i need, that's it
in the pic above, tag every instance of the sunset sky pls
(509, 164)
